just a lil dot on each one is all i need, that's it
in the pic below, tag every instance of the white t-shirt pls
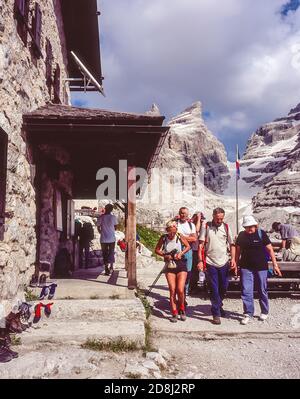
(107, 225)
(186, 229)
(217, 244)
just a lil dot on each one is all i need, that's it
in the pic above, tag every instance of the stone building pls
(50, 152)
(35, 42)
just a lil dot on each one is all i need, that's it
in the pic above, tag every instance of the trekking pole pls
(155, 281)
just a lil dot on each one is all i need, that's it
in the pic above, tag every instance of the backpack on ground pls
(62, 264)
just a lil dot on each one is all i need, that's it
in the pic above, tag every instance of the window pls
(37, 30)
(3, 171)
(56, 85)
(21, 12)
(58, 211)
(49, 59)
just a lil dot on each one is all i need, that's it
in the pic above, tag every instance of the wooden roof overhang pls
(96, 139)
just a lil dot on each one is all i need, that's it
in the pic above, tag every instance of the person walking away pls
(172, 247)
(290, 244)
(107, 224)
(197, 219)
(188, 230)
(217, 241)
(253, 248)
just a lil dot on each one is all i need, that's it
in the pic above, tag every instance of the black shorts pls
(180, 267)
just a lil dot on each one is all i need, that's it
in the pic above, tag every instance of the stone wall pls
(23, 89)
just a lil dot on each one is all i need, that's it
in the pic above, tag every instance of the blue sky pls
(240, 58)
(290, 6)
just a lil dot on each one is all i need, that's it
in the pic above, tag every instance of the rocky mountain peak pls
(295, 110)
(192, 114)
(191, 145)
(154, 110)
(272, 164)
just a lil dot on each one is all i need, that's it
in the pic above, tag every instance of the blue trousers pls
(189, 264)
(218, 282)
(250, 278)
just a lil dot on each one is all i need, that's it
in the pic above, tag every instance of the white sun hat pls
(249, 221)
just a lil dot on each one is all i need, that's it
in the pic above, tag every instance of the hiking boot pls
(182, 315)
(246, 319)
(216, 320)
(107, 270)
(174, 318)
(13, 353)
(5, 356)
(263, 317)
(223, 313)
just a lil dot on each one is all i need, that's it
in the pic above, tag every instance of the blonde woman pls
(172, 246)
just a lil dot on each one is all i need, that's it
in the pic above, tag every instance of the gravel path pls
(269, 349)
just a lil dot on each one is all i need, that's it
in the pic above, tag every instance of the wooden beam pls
(131, 228)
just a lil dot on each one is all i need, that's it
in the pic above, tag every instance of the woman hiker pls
(253, 248)
(172, 247)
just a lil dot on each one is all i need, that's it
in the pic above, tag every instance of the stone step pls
(96, 310)
(78, 332)
(90, 284)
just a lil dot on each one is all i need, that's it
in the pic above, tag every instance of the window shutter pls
(49, 58)
(37, 27)
(56, 85)
(3, 174)
(20, 7)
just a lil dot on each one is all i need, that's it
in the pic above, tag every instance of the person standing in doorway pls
(86, 235)
(217, 240)
(107, 224)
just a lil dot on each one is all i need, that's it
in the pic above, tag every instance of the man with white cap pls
(253, 248)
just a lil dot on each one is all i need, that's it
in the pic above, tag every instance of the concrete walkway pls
(93, 284)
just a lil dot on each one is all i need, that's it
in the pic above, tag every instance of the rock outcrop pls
(191, 145)
(272, 159)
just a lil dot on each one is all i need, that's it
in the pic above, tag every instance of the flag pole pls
(237, 190)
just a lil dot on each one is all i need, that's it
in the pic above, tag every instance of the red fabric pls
(123, 245)
(37, 312)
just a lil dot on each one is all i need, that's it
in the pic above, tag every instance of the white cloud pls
(237, 56)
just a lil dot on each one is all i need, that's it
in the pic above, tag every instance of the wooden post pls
(131, 229)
